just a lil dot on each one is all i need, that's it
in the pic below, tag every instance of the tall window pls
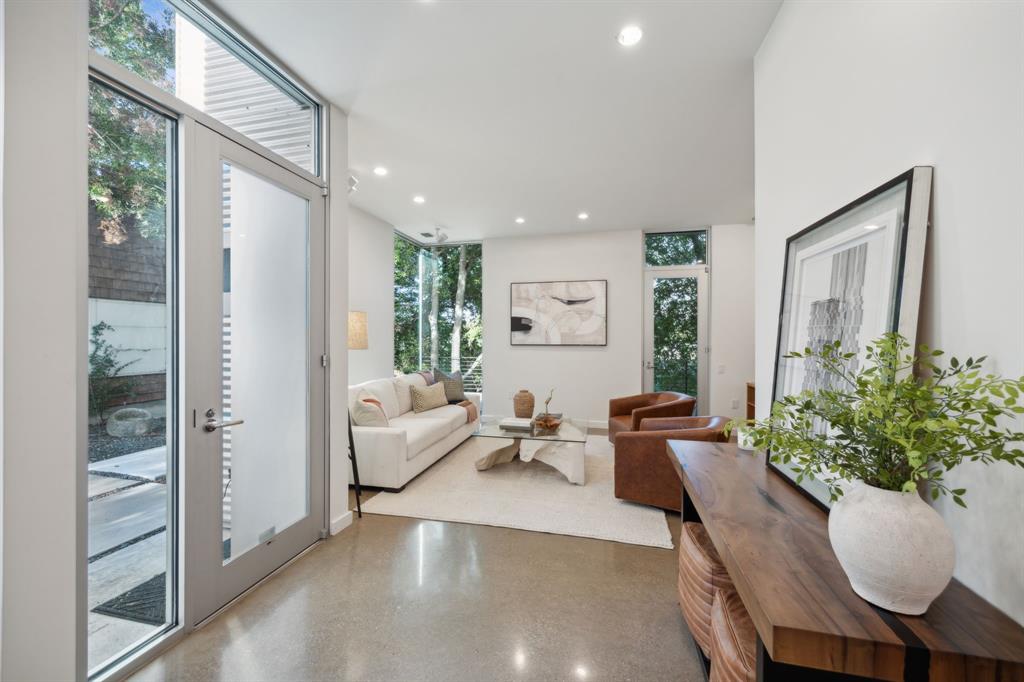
(177, 47)
(438, 309)
(131, 449)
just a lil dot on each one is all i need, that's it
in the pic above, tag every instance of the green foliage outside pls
(675, 335)
(676, 248)
(890, 428)
(128, 143)
(413, 302)
(103, 367)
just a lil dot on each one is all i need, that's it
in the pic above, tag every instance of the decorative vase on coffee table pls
(522, 404)
(896, 550)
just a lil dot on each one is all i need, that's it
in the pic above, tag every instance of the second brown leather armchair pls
(625, 414)
(643, 471)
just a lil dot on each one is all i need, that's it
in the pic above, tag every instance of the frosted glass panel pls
(265, 363)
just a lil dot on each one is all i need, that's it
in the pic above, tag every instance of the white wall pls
(42, 629)
(584, 378)
(731, 335)
(337, 320)
(848, 95)
(371, 276)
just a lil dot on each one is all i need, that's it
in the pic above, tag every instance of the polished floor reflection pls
(403, 599)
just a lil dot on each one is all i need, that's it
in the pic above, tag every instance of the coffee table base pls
(566, 458)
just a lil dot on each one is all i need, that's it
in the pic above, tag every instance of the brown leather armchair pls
(624, 414)
(643, 471)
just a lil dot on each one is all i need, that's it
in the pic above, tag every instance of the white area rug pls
(527, 496)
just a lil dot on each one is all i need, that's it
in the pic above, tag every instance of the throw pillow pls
(427, 397)
(454, 390)
(367, 411)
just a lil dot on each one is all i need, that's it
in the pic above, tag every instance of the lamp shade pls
(357, 337)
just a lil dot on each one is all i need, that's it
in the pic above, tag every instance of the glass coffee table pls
(561, 450)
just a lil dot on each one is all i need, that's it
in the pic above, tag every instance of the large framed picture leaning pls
(851, 277)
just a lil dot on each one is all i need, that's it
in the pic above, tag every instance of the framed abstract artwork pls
(851, 277)
(573, 313)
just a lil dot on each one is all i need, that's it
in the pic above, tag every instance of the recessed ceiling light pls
(419, 199)
(872, 227)
(630, 35)
(583, 216)
(520, 220)
(380, 171)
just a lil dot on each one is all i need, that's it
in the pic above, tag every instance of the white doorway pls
(254, 385)
(676, 331)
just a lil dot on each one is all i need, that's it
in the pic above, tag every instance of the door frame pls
(702, 273)
(122, 80)
(212, 585)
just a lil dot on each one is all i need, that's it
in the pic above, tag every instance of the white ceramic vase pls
(896, 550)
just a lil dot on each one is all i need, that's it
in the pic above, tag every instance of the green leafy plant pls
(104, 366)
(901, 421)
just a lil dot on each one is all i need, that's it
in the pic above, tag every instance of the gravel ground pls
(104, 446)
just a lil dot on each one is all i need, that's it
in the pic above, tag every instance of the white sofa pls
(391, 456)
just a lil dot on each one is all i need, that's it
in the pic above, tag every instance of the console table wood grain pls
(810, 623)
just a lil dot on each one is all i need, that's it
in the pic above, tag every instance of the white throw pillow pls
(402, 385)
(384, 391)
(367, 411)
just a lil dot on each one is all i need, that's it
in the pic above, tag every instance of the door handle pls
(649, 365)
(212, 425)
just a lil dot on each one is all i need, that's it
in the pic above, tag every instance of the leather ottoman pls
(733, 640)
(701, 574)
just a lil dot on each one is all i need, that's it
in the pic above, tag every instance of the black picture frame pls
(559, 345)
(905, 291)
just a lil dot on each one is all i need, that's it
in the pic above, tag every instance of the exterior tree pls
(435, 296)
(460, 298)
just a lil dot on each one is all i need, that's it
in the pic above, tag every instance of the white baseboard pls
(341, 523)
(598, 424)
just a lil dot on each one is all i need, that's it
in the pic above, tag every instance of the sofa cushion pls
(420, 432)
(381, 389)
(402, 384)
(428, 397)
(452, 415)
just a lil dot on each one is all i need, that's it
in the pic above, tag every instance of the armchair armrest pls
(679, 423)
(476, 399)
(676, 408)
(683, 428)
(618, 407)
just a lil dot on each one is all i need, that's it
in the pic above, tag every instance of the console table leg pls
(689, 512)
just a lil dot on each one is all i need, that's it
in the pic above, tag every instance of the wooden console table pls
(810, 623)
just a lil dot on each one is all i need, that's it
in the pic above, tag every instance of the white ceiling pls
(493, 110)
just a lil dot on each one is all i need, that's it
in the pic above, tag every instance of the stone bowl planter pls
(128, 422)
(896, 550)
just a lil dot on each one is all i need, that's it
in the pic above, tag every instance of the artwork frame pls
(871, 252)
(551, 313)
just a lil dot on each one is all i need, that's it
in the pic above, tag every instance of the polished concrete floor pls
(394, 598)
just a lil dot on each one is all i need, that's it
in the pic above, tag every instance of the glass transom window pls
(175, 46)
(676, 248)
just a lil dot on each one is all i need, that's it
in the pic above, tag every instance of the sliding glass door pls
(132, 478)
(255, 380)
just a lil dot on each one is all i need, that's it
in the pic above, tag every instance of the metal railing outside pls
(472, 368)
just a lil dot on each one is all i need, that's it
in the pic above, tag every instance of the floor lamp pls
(357, 340)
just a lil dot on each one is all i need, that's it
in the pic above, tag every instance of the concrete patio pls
(128, 542)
